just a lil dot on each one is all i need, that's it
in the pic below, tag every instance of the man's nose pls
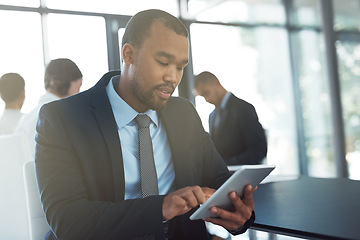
(171, 74)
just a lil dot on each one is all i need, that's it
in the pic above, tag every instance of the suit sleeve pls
(68, 207)
(254, 138)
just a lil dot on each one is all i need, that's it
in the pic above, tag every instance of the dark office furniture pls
(310, 208)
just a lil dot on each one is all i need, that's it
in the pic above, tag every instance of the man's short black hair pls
(59, 74)
(12, 85)
(138, 27)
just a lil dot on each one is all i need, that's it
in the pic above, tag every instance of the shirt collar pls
(124, 114)
(47, 97)
(225, 100)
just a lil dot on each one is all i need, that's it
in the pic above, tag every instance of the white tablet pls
(246, 174)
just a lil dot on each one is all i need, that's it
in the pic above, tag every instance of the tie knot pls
(143, 121)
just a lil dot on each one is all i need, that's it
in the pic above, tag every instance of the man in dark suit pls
(87, 153)
(234, 125)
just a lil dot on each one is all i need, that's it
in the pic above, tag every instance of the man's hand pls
(184, 199)
(243, 210)
(207, 192)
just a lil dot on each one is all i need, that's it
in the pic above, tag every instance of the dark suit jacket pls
(80, 173)
(239, 138)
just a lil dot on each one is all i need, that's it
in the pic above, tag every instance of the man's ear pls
(128, 53)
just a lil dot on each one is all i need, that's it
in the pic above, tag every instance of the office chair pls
(37, 220)
(14, 151)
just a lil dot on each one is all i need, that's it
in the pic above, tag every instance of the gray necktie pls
(216, 121)
(148, 177)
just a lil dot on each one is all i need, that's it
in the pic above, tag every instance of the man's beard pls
(147, 98)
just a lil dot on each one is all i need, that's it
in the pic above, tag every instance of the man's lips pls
(163, 95)
(165, 91)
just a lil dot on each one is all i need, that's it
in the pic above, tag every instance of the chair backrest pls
(14, 151)
(37, 220)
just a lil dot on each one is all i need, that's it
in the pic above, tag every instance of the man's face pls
(158, 67)
(208, 91)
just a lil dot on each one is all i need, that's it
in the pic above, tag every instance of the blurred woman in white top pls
(12, 92)
(62, 78)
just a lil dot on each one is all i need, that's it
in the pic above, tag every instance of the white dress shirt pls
(9, 120)
(27, 123)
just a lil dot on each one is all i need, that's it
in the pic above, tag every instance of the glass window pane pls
(120, 36)
(21, 52)
(249, 65)
(83, 40)
(349, 70)
(115, 6)
(346, 15)
(315, 102)
(247, 11)
(307, 12)
(23, 3)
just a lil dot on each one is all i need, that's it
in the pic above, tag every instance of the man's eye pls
(162, 63)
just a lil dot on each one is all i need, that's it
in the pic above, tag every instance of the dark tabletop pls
(312, 208)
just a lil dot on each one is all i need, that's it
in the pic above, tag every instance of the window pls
(315, 103)
(115, 6)
(346, 23)
(120, 36)
(81, 39)
(346, 15)
(21, 52)
(307, 12)
(230, 11)
(25, 3)
(349, 70)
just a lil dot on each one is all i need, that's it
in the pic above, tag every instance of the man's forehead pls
(167, 43)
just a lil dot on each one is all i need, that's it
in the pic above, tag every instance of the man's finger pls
(208, 192)
(193, 196)
(248, 196)
(199, 194)
(240, 206)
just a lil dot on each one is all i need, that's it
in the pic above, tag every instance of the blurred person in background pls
(63, 78)
(12, 92)
(233, 125)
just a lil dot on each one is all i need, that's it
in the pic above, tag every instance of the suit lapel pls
(107, 125)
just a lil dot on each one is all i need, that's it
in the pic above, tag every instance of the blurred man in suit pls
(234, 125)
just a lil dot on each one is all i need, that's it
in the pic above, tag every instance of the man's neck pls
(13, 105)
